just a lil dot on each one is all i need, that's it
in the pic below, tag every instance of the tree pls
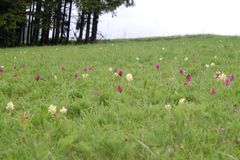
(30, 22)
(12, 18)
(95, 8)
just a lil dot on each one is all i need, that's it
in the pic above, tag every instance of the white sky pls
(173, 17)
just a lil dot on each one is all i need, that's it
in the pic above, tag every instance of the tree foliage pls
(34, 22)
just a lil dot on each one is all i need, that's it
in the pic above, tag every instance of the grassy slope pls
(131, 125)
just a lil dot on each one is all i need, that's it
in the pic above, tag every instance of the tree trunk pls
(37, 22)
(81, 27)
(54, 24)
(23, 33)
(58, 22)
(54, 29)
(46, 40)
(46, 25)
(29, 25)
(88, 27)
(32, 24)
(63, 21)
(95, 26)
(18, 32)
(69, 20)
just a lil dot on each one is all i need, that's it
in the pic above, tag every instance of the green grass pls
(134, 124)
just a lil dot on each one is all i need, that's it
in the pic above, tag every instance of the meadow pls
(162, 98)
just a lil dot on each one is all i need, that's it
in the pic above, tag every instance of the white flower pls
(163, 48)
(52, 109)
(116, 74)
(181, 101)
(137, 58)
(55, 77)
(212, 64)
(129, 77)
(15, 57)
(168, 106)
(63, 110)
(186, 59)
(222, 76)
(218, 73)
(84, 75)
(160, 59)
(10, 106)
(110, 69)
(207, 65)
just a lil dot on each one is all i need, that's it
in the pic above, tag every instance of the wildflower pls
(84, 75)
(160, 59)
(180, 70)
(158, 66)
(217, 75)
(220, 76)
(207, 65)
(76, 74)
(163, 48)
(52, 109)
(96, 93)
(24, 117)
(168, 106)
(137, 58)
(110, 69)
(188, 78)
(228, 82)
(14, 74)
(10, 106)
(24, 65)
(37, 77)
(186, 83)
(15, 57)
(186, 59)
(116, 74)
(120, 88)
(231, 77)
(120, 72)
(212, 64)
(181, 101)
(55, 77)
(129, 77)
(63, 110)
(213, 90)
(62, 68)
(87, 68)
(2, 69)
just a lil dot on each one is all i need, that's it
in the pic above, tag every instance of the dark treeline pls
(48, 22)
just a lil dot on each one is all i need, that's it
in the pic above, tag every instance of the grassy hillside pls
(183, 102)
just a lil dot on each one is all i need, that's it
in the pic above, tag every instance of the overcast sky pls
(173, 17)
